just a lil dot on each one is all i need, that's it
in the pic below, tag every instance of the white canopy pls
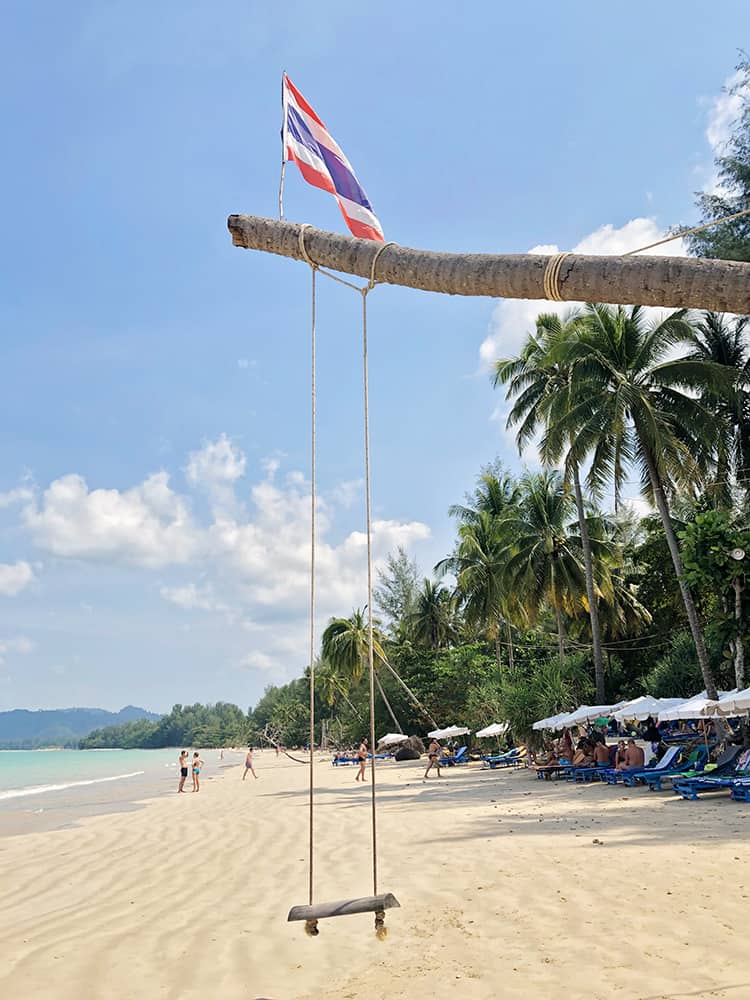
(587, 713)
(645, 706)
(689, 708)
(734, 703)
(553, 722)
(446, 734)
(390, 739)
(496, 729)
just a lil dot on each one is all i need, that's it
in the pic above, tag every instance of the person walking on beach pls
(433, 752)
(183, 770)
(197, 765)
(362, 757)
(249, 764)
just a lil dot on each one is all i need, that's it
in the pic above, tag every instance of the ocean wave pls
(17, 793)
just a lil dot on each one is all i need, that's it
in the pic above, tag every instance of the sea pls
(54, 789)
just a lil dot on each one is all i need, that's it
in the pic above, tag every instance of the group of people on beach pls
(196, 766)
(591, 750)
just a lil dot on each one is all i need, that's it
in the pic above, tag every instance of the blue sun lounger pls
(511, 758)
(740, 790)
(613, 776)
(695, 761)
(736, 765)
(461, 756)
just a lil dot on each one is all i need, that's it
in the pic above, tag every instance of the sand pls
(510, 887)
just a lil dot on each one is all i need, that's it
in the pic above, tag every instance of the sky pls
(154, 413)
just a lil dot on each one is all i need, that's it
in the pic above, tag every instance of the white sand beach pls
(504, 892)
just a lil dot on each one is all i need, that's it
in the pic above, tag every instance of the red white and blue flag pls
(322, 163)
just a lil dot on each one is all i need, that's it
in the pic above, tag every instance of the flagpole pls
(283, 146)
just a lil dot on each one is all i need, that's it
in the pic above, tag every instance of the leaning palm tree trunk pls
(560, 635)
(387, 704)
(719, 285)
(409, 691)
(596, 636)
(674, 550)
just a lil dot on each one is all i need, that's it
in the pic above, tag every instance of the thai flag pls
(322, 163)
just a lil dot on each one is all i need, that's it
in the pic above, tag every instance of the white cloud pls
(513, 319)
(14, 577)
(147, 525)
(246, 363)
(19, 644)
(217, 462)
(258, 660)
(19, 495)
(723, 112)
(192, 596)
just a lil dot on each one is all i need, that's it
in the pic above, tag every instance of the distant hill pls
(22, 729)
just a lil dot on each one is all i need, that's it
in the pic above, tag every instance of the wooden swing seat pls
(344, 907)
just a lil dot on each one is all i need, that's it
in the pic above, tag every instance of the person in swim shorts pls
(183, 770)
(249, 764)
(433, 752)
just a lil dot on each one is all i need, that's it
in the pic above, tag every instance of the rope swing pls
(377, 904)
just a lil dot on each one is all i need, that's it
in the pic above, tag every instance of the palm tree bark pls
(739, 649)
(720, 285)
(674, 550)
(510, 645)
(596, 637)
(560, 635)
(498, 650)
(387, 704)
(409, 691)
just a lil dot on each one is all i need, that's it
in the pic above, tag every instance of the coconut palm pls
(540, 383)
(345, 646)
(432, 621)
(478, 566)
(721, 341)
(629, 404)
(544, 562)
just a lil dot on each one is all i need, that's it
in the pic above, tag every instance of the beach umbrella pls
(587, 713)
(496, 729)
(689, 708)
(645, 706)
(446, 734)
(391, 739)
(733, 703)
(552, 722)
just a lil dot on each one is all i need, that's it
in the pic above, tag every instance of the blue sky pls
(154, 406)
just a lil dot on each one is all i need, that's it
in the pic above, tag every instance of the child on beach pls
(197, 765)
(249, 764)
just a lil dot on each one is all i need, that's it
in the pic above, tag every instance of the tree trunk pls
(674, 550)
(510, 645)
(498, 651)
(739, 649)
(387, 704)
(596, 637)
(687, 282)
(560, 635)
(411, 694)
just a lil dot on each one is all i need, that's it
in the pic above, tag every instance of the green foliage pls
(677, 673)
(546, 689)
(207, 726)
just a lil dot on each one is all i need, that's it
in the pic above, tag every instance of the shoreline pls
(507, 887)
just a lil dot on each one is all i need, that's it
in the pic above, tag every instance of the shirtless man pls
(183, 770)
(433, 753)
(362, 757)
(249, 764)
(601, 753)
(634, 756)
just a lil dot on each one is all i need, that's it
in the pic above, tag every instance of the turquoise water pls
(24, 773)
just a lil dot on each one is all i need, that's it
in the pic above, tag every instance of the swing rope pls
(363, 291)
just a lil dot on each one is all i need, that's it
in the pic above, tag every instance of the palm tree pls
(630, 405)
(716, 339)
(543, 561)
(432, 621)
(541, 384)
(345, 646)
(478, 567)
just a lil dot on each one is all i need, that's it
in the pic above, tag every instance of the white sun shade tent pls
(391, 739)
(496, 729)
(588, 713)
(645, 706)
(552, 722)
(449, 733)
(690, 708)
(734, 703)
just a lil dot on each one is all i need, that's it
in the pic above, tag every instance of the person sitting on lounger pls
(634, 757)
(621, 755)
(584, 755)
(565, 747)
(601, 753)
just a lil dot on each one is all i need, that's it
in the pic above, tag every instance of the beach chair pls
(511, 758)
(740, 790)
(613, 776)
(634, 777)
(692, 765)
(461, 756)
(734, 763)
